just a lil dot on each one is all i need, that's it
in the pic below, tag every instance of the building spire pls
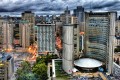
(67, 8)
(67, 11)
(91, 6)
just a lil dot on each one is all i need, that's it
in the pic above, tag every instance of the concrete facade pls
(68, 48)
(6, 66)
(7, 35)
(30, 18)
(46, 38)
(99, 37)
(24, 34)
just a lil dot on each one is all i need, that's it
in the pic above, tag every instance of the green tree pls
(40, 70)
(25, 65)
(30, 76)
(25, 76)
(22, 73)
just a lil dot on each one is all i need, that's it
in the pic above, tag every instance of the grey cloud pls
(54, 6)
(103, 4)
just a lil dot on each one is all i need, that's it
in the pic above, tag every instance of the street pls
(18, 58)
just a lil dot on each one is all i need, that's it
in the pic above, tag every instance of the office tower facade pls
(76, 41)
(73, 20)
(7, 34)
(99, 37)
(29, 17)
(46, 38)
(6, 66)
(1, 33)
(79, 12)
(16, 36)
(24, 33)
(66, 17)
(67, 57)
(4, 71)
(70, 41)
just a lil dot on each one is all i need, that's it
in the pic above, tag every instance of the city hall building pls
(99, 37)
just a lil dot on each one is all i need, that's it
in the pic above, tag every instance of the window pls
(75, 45)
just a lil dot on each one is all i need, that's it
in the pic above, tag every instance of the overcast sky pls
(15, 7)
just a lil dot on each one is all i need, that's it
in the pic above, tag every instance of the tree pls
(25, 65)
(40, 70)
(22, 73)
(30, 76)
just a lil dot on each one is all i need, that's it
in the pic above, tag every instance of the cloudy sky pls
(15, 7)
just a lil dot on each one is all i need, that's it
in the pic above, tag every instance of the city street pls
(18, 58)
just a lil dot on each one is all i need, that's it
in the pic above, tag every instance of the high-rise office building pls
(16, 36)
(24, 33)
(66, 17)
(1, 33)
(46, 38)
(70, 41)
(79, 12)
(99, 37)
(6, 66)
(68, 50)
(7, 34)
(76, 40)
(29, 17)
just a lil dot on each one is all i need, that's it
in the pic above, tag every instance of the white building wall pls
(111, 42)
(67, 48)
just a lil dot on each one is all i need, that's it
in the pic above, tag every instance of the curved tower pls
(68, 48)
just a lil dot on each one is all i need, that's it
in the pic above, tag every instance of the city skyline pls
(55, 6)
(59, 40)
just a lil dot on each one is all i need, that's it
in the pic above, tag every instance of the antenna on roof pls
(67, 8)
(91, 6)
